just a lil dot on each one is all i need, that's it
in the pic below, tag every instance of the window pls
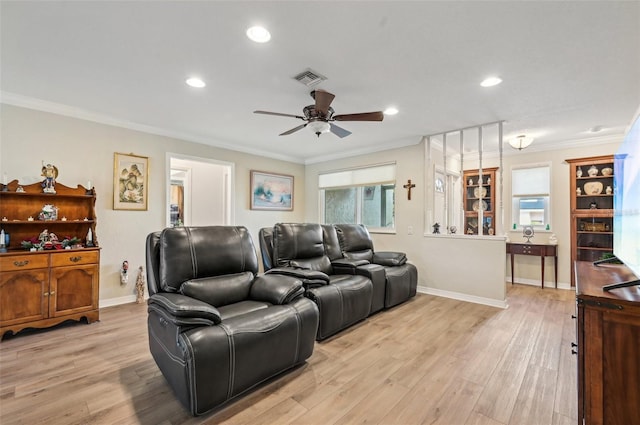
(530, 187)
(359, 196)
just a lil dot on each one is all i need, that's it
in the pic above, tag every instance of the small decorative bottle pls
(579, 172)
(593, 171)
(609, 190)
(578, 191)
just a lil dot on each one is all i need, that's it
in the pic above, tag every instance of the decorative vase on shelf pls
(579, 172)
(578, 191)
(609, 190)
(553, 240)
(593, 171)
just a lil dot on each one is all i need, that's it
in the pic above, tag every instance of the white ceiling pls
(567, 67)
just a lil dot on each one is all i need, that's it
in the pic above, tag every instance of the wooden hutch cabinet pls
(591, 195)
(46, 287)
(608, 337)
(479, 195)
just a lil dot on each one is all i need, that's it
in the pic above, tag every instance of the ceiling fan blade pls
(293, 130)
(278, 114)
(339, 131)
(363, 116)
(323, 100)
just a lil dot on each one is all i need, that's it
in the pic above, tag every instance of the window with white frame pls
(530, 199)
(359, 196)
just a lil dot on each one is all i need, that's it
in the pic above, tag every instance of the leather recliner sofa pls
(298, 250)
(401, 277)
(216, 328)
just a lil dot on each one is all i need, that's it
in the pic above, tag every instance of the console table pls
(538, 250)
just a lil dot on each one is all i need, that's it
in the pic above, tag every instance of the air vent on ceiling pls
(310, 77)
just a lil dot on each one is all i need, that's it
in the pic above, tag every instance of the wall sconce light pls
(520, 142)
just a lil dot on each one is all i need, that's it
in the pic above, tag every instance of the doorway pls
(199, 191)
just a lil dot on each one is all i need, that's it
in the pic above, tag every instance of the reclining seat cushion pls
(186, 253)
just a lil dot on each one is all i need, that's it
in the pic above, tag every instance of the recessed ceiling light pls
(195, 82)
(390, 111)
(258, 34)
(491, 81)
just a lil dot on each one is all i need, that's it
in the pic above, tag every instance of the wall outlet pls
(410, 230)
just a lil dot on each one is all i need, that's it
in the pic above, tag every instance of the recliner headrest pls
(188, 253)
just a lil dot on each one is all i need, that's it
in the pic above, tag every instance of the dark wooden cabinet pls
(44, 288)
(591, 195)
(479, 195)
(608, 333)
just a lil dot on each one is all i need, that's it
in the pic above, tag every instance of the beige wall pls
(83, 150)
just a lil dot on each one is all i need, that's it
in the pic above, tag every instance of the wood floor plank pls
(431, 360)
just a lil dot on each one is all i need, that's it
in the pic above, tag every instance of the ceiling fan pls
(320, 116)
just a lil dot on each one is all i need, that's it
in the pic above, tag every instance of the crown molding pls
(79, 113)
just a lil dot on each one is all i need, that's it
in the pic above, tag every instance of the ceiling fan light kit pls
(319, 117)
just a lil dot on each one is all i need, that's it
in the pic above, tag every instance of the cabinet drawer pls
(73, 258)
(524, 249)
(23, 262)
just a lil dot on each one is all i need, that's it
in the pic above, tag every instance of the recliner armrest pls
(307, 276)
(347, 266)
(276, 289)
(182, 310)
(389, 258)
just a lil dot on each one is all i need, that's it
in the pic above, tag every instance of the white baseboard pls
(463, 297)
(533, 282)
(110, 302)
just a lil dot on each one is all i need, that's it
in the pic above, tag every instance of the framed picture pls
(130, 182)
(271, 191)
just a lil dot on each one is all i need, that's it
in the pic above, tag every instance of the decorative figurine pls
(609, 190)
(453, 230)
(140, 283)
(593, 206)
(89, 238)
(49, 212)
(553, 240)
(578, 191)
(592, 171)
(20, 189)
(50, 173)
(579, 172)
(470, 182)
(436, 228)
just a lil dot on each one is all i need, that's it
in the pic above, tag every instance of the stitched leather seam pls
(192, 250)
(192, 382)
(232, 360)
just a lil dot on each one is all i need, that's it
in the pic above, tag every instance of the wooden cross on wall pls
(408, 186)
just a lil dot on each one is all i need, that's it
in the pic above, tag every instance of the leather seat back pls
(265, 238)
(300, 245)
(355, 241)
(188, 253)
(331, 242)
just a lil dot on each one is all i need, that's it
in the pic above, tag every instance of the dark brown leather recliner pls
(401, 277)
(343, 299)
(216, 329)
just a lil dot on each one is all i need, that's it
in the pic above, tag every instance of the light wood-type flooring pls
(431, 360)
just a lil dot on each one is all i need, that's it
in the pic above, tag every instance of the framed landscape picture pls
(130, 182)
(271, 191)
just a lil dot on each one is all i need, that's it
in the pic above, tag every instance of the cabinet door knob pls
(21, 263)
(52, 293)
(46, 294)
(76, 258)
